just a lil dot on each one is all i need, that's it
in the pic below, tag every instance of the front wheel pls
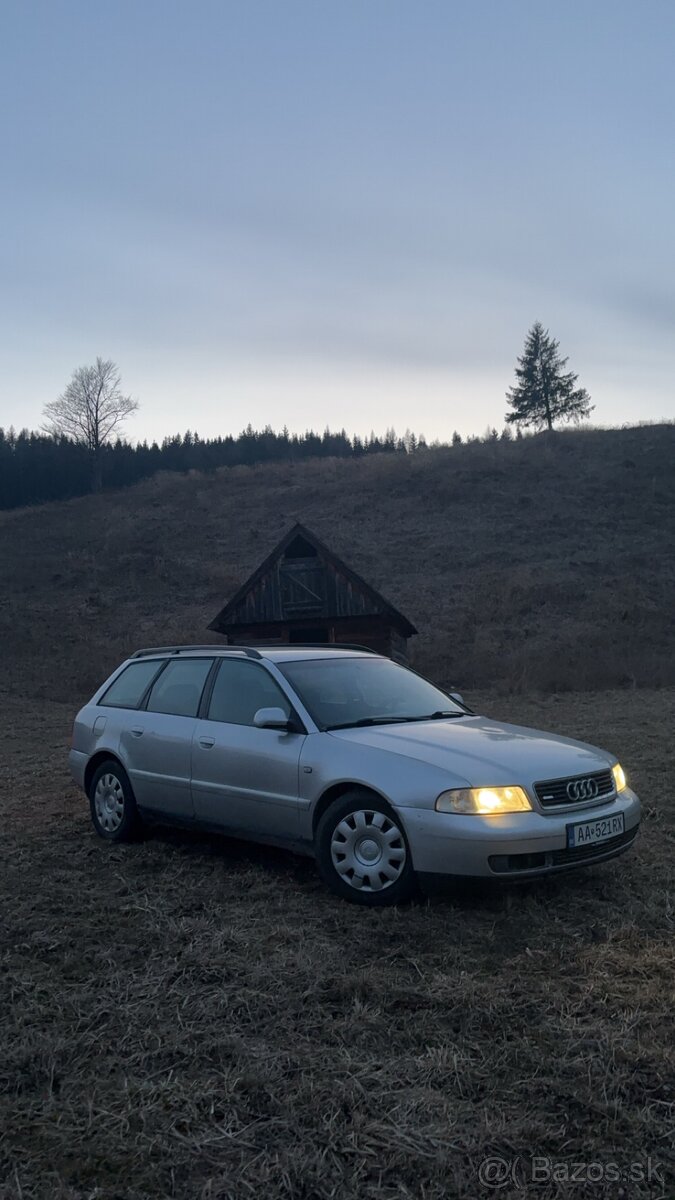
(362, 851)
(113, 807)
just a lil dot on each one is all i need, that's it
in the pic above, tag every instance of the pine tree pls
(545, 392)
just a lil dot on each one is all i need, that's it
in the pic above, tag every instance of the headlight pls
(483, 800)
(619, 777)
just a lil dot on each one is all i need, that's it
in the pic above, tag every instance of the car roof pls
(272, 653)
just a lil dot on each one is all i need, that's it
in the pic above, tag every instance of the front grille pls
(543, 860)
(554, 791)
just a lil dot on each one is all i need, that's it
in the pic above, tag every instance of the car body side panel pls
(95, 731)
(155, 749)
(245, 779)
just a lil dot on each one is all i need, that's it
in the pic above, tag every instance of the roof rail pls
(312, 646)
(249, 651)
(252, 651)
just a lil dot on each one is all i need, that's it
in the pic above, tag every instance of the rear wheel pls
(362, 852)
(113, 807)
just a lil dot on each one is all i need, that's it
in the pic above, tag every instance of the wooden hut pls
(303, 592)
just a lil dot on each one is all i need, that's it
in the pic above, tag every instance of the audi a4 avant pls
(343, 754)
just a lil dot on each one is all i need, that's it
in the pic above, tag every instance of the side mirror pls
(271, 718)
(458, 697)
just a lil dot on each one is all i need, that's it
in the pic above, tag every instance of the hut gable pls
(303, 591)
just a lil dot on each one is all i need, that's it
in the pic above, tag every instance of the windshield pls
(365, 691)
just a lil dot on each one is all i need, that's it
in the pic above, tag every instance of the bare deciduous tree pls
(90, 410)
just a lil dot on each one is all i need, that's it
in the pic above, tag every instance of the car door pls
(156, 741)
(245, 779)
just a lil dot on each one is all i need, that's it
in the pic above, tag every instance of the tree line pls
(80, 447)
(37, 467)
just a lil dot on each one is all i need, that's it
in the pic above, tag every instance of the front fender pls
(402, 781)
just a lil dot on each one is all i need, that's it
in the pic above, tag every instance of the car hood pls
(483, 752)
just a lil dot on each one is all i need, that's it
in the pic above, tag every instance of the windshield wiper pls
(384, 720)
(390, 720)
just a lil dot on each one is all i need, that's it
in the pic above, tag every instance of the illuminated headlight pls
(483, 800)
(619, 777)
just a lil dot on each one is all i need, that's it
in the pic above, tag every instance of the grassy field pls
(195, 1018)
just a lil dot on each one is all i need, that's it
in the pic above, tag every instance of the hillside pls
(541, 563)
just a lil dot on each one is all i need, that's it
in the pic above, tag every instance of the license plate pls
(589, 832)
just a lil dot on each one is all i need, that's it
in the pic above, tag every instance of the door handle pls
(207, 742)
(137, 733)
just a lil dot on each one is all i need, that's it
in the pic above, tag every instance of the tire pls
(362, 851)
(113, 806)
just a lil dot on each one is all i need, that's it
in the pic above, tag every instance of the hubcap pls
(368, 850)
(109, 802)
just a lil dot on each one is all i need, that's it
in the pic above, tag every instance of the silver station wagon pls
(343, 754)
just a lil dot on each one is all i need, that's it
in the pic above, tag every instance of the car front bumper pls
(517, 845)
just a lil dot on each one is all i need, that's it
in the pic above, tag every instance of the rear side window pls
(128, 689)
(179, 688)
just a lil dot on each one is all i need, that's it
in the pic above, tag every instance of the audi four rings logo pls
(582, 789)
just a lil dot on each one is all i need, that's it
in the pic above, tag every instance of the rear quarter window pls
(128, 689)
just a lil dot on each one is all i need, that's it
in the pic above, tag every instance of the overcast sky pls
(336, 212)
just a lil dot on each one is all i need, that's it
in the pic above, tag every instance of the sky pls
(336, 212)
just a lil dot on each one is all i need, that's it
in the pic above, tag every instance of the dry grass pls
(192, 1017)
(195, 1018)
